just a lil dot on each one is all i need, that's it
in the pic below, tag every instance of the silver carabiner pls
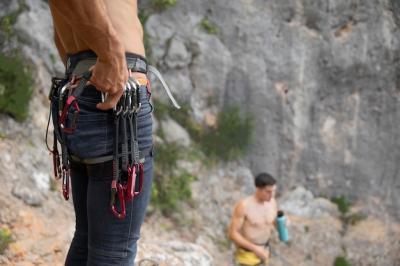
(135, 84)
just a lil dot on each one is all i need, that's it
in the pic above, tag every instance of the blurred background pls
(307, 90)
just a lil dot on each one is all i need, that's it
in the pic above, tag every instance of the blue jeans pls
(100, 238)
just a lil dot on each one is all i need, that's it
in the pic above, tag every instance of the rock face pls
(174, 133)
(321, 81)
(175, 253)
(320, 78)
(315, 224)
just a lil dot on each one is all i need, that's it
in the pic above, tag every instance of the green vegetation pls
(7, 21)
(227, 141)
(346, 217)
(163, 4)
(5, 239)
(182, 116)
(170, 188)
(341, 261)
(232, 136)
(342, 203)
(15, 87)
(143, 16)
(208, 26)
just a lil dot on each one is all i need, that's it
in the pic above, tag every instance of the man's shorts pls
(248, 258)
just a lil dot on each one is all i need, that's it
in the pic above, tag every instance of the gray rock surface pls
(35, 33)
(175, 133)
(319, 77)
(175, 253)
(301, 202)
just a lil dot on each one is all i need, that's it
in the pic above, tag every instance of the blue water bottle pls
(282, 229)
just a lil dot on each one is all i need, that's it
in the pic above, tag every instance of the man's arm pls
(90, 22)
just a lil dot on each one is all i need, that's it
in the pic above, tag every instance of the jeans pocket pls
(145, 112)
(90, 138)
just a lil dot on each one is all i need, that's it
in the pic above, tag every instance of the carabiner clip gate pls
(117, 189)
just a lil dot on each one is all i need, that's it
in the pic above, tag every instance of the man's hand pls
(261, 252)
(110, 78)
(90, 22)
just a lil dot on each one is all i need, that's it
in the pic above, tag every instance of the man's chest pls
(260, 215)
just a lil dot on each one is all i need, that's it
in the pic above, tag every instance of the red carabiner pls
(131, 185)
(130, 188)
(71, 101)
(117, 189)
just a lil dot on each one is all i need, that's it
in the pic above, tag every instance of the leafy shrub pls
(229, 140)
(232, 136)
(341, 261)
(163, 4)
(208, 26)
(170, 188)
(5, 239)
(342, 203)
(7, 21)
(15, 87)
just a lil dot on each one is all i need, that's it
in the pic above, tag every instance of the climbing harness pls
(63, 96)
(127, 159)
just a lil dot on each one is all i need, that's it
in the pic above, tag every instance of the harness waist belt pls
(80, 62)
(142, 155)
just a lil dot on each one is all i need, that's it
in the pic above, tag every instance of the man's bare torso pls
(123, 15)
(259, 220)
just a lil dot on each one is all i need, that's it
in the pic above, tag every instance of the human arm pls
(90, 22)
(234, 232)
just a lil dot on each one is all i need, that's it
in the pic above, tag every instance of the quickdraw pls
(126, 162)
(63, 97)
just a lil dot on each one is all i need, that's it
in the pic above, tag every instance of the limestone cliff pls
(320, 79)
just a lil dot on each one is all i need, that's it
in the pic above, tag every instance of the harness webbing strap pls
(102, 159)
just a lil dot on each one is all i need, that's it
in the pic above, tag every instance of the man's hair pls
(263, 180)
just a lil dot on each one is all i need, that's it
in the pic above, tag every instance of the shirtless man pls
(252, 221)
(108, 37)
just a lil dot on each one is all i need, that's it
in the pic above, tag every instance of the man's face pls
(267, 193)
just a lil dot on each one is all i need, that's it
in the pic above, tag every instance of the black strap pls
(102, 159)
